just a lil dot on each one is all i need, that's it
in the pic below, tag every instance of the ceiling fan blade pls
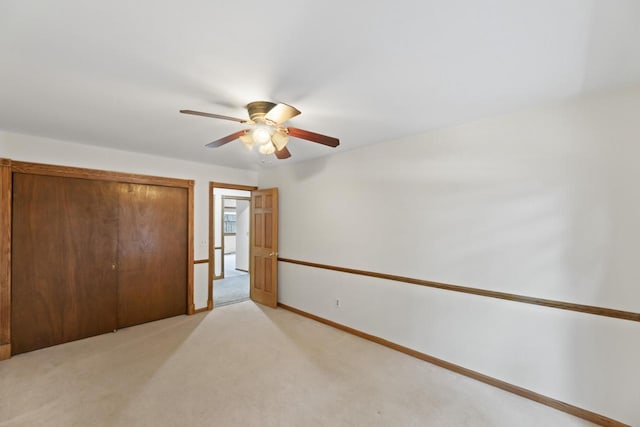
(281, 113)
(283, 154)
(314, 137)
(226, 139)
(213, 116)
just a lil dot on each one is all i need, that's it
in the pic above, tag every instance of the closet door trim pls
(97, 174)
(5, 259)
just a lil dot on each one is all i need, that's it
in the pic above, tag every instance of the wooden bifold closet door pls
(91, 256)
(152, 253)
(64, 285)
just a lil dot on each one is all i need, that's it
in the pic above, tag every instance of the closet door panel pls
(64, 281)
(152, 253)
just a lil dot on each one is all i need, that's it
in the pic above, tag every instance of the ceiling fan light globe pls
(267, 148)
(261, 135)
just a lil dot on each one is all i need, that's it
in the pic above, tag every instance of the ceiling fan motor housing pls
(258, 109)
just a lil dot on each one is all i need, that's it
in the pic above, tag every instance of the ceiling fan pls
(267, 130)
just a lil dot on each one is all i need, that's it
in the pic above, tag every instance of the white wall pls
(43, 150)
(542, 203)
(242, 235)
(229, 244)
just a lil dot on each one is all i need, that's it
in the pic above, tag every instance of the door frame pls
(212, 186)
(8, 167)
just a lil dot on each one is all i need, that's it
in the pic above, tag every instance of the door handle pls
(273, 253)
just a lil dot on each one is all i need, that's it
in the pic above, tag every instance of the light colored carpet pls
(230, 290)
(234, 287)
(247, 365)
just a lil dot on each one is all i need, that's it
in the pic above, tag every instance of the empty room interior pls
(407, 213)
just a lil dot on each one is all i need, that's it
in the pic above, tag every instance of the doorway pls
(229, 248)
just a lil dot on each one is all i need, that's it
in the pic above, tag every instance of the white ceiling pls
(115, 73)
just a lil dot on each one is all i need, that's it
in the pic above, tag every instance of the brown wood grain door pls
(63, 255)
(152, 253)
(264, 247)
